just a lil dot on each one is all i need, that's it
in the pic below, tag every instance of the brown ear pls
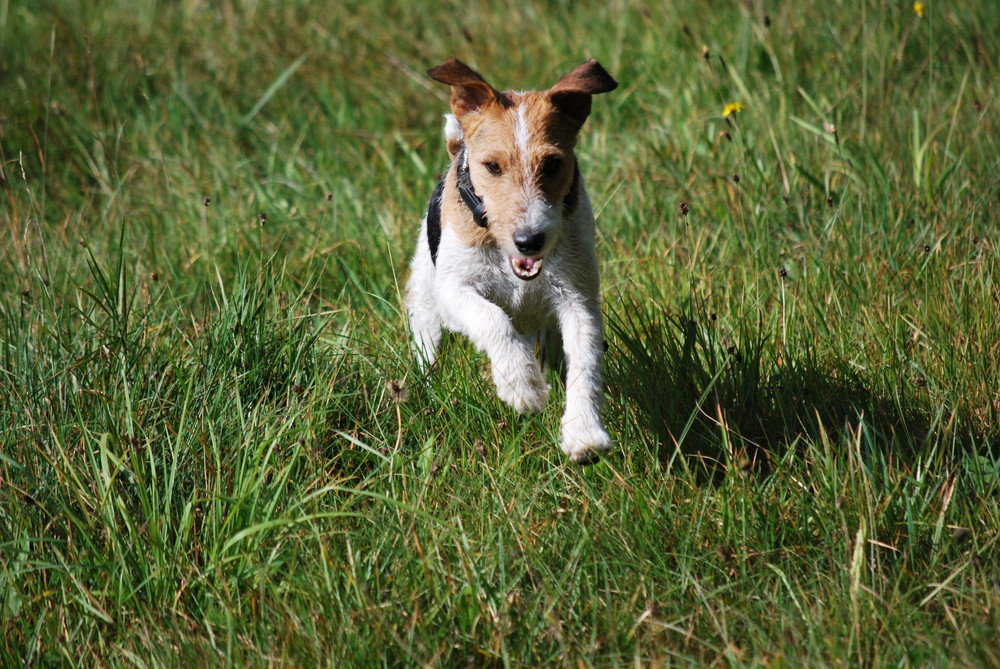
(571, 95)
(469, 91)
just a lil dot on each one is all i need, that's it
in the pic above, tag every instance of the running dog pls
(506, 250)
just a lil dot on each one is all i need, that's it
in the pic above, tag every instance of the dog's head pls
(517, 150)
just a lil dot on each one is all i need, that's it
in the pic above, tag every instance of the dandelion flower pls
(732, 108)
(918, 9)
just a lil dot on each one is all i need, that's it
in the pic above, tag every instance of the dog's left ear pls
(572, 94)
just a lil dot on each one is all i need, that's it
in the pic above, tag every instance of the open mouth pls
(525, 268)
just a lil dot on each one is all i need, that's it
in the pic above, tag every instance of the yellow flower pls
(918, 8)
(732, 108)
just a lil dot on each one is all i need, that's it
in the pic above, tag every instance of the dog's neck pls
(468, 191)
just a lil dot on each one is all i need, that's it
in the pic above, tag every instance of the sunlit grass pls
(216, 449)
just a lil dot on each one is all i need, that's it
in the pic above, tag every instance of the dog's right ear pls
(469, 91)
(572, 94)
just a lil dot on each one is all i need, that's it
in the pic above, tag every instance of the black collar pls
(468, 191)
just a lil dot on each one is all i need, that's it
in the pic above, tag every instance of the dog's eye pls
(494, 168)
(551, 165)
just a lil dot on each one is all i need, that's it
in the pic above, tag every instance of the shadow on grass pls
(721, 399)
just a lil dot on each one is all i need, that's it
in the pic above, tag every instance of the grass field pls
(215, 449)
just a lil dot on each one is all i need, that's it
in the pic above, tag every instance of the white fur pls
(472, 290)
(522, 135)
(452, 129)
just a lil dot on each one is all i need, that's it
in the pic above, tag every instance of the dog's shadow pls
(721, 399)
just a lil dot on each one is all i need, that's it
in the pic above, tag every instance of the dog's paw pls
(522, 387)
(583, 442)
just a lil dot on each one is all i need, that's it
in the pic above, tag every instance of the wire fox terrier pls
(506, 250)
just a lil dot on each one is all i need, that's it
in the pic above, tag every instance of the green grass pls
(202, 461)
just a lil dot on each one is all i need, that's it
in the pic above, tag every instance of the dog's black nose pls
(529, 243)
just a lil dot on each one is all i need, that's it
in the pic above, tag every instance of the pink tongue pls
(527, 264)
(525, 268)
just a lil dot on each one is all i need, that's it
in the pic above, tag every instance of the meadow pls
(215, 446)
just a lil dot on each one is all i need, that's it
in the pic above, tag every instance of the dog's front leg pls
(516, 372)
(583, 435)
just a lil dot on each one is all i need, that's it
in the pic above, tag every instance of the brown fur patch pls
(572, 94)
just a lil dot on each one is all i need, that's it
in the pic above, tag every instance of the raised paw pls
(522, 387)
(583, 442)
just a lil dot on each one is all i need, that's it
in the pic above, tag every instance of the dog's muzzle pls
(528, 266)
